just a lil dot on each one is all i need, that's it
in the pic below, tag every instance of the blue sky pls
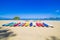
(30, 8)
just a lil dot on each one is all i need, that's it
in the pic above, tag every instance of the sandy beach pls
(34, 33)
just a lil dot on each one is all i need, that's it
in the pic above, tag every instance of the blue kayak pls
(4, 25)
(31, 24)
(46, 25)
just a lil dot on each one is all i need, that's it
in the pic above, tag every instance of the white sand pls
(34, 33)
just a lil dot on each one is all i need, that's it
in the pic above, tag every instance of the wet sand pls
(34, 33)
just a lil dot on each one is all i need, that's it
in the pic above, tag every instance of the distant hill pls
(51, 18)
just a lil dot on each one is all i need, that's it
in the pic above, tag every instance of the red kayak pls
(16, 24)
(39, 25)
(24, 24)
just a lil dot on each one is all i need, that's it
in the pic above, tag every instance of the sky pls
(30, 8)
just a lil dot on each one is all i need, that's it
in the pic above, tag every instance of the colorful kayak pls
(4, 25)
(17, 24)
(25, 24)
(46, 25)
(39, 25)
(31, 24)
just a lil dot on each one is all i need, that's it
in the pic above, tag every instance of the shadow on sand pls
(53, 38)
(5, 33)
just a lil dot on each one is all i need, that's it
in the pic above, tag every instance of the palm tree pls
(16, 18)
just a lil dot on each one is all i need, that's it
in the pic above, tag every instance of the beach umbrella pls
(31, 24)
(39, 24)
(46, 25)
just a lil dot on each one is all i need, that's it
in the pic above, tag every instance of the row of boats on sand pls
(26, 24)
